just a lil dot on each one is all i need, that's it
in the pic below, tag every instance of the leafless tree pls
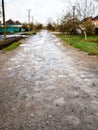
(85, 8)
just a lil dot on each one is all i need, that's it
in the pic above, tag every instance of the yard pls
(90, 46)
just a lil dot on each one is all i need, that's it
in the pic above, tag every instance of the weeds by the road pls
(11, 47)
(89, 46)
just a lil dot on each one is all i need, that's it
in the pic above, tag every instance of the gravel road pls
(47, 86)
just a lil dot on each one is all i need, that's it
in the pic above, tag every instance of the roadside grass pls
(29, 33)
(12, 46)
(78, 41)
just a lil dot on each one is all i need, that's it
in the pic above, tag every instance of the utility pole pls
(29, 10)
(32, 19)
(74, 18)
(74, 13)
(3, 13)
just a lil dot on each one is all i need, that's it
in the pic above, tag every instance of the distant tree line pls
(32, 26)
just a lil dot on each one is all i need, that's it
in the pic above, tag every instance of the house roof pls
(18, 23)
(11, 22)
(88, 18)
(95, 18)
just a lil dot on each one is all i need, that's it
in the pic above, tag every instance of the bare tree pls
(85, 8)
(69, 23)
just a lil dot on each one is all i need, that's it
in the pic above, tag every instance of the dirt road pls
(46, 86)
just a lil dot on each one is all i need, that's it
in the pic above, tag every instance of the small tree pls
(25, 26)
(69, 24)
(38, 26)
(61, 28)
(50, 27)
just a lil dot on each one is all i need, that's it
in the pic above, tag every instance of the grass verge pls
(89, 45)
(12, 46)
(29, 33)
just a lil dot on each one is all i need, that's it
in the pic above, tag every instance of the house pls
(94, 22)
(12, 26)
(89, 19)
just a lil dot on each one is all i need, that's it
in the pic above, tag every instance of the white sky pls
(41, 9)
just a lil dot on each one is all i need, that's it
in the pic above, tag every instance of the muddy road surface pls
(47, 86)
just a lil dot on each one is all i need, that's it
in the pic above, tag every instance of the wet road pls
(47, 86)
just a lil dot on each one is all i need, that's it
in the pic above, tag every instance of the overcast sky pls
(42, 10)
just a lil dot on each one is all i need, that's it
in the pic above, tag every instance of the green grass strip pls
(12, 46)
(89, 46)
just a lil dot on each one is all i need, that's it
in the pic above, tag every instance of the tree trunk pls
(85, 34)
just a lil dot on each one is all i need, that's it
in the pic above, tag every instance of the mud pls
(47, 86)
